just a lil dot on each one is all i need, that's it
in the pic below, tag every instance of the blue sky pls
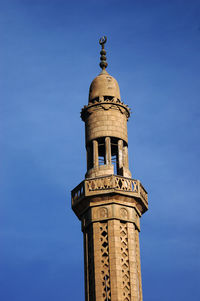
(49, 55)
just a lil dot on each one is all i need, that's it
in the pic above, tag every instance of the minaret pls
(109, 202)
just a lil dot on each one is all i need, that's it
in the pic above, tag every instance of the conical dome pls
(104, 85)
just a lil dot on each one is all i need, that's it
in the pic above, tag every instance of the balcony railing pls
(109, 184)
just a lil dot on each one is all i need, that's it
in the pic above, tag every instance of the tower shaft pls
(108, 202)
(112, 256)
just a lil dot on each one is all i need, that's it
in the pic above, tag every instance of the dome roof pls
(104, 85)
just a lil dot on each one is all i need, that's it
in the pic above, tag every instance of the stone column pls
(120, 155)
(108, 150)
(125, 156)
(95, 154)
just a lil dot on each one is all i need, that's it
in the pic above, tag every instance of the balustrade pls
(107, 183)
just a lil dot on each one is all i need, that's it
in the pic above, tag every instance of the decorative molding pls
(124, 213)
(108, 212)
(102, 212)
(104, 105)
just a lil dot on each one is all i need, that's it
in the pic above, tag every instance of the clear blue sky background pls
(49, 55)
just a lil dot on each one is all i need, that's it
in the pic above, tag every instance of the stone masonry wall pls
(106, 123)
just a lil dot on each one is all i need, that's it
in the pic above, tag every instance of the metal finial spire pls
(103, 64)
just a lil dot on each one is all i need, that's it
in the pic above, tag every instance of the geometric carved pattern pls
(105, 270)
(117, 182)
(126, 291)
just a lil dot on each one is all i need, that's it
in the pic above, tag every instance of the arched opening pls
(108, 151)
(101, 151)
(114, 154)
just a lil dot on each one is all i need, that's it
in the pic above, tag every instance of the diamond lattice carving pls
(105, 271)
(117, 182)
(125, 262)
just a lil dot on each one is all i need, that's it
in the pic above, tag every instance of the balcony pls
(107, 185)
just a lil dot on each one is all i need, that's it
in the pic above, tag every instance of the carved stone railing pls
(112, 182)
(109, 184)
(78, 192)
(143, 193)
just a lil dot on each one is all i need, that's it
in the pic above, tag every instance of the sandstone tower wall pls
(106, 120)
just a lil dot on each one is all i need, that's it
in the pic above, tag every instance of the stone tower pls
(109, 202)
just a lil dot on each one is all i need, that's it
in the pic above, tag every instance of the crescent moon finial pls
(103, 40)
(103, 63)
